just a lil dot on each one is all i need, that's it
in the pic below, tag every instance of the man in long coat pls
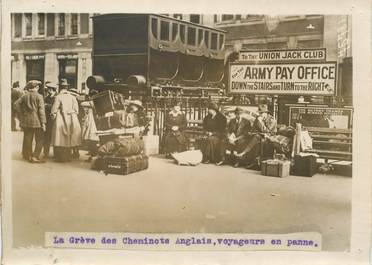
(30, 108)
(66, 132)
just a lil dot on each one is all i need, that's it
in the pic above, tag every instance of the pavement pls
(63, 197)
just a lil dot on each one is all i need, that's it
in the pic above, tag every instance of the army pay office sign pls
(283, 78)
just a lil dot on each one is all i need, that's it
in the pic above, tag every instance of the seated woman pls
(214, 124)
(174, 138)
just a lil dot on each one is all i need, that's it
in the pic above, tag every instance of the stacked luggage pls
(121, 156)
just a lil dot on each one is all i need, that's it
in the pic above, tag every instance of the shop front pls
(35, 65)
(68, 68)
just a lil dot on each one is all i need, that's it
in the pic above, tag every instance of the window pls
(84, 23)
(200, 36)
(164, 30)
(178, 16)
(238, 17)
(195, 18)
(17, 25)
(227, 17)
(154, 27)
(206, 38)
(182, 33)
(221, 41)
(28, 21)
(50, 24)
(61, 25)
(254, 17)
(191, 36)
(214, 41)
(174, 31)
(41, 24)
(68, 69)
(74, 24)
(215, 18)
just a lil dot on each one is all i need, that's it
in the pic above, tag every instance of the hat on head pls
(15, 84)
(238, 109)
(51, 86)
(137, 103)
(63, 83)
(262, 108)
(32, 84)
(213, 106)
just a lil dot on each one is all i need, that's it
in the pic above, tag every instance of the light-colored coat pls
(66, 130)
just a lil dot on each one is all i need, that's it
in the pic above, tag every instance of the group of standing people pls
(245, 140)
(50, 121)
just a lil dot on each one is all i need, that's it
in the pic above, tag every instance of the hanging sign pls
(67, 56)
(283, 55)
(283, 79)
(35, 57)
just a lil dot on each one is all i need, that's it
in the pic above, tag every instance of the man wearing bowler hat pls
(238, 133)
(264, 126)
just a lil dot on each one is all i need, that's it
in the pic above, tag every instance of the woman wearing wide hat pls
(214, 124)
(66, 132)
(174, 138)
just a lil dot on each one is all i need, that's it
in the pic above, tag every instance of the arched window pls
(200, 36)
(174, 31)
(154, 27)
(206, 38)
(214, 41)
(164, 30)
(182, 33)
(191, 36)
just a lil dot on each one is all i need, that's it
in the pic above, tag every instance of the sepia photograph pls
(181, 123)
(182, 131)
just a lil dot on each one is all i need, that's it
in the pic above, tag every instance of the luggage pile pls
(121, 156)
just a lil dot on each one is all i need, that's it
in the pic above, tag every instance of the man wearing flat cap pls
(238, 133)
(264, 126)
(214, 125)
(32, 119)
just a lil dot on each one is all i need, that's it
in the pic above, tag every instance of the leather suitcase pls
(126, 165)
(305, 166)
(275, 168)
(108, 101)
(130, 146)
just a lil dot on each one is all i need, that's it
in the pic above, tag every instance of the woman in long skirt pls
(174, 138)
(214, 146)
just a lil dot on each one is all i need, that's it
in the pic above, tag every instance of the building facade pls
(261, 32)
(51, 46)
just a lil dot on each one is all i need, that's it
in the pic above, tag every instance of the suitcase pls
(130, 146)
(275, 168)
(126, 165)
(305, 166)
(108, 101)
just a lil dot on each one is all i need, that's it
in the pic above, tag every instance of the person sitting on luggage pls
(264, 126)
(238, 132)
(174, 138)
(214, 124)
